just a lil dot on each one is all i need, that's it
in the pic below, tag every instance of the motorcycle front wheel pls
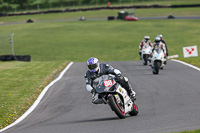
(145, 59)
(116, 106)
(156, 68)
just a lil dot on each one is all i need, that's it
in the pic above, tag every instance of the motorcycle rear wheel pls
(116, 107)
(135, 111)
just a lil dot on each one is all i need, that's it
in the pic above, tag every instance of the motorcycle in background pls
(157, 60)
(146, 50)
(113, 94)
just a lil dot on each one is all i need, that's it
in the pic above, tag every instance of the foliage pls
(21, 5)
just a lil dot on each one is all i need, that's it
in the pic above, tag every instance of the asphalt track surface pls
(104, 19)
(168, 102)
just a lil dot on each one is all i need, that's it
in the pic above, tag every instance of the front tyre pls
(157, 67)
(145, 57)
(116, 107)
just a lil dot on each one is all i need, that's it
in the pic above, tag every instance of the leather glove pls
(93, 91)
(117, 77)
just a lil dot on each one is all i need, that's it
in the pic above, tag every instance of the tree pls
(61, 3)
(21, 3)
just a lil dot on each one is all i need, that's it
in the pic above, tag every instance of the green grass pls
(77, 41)
(21, 83)
(103, 14)
(192, 60)
(195, 131)
(52, 44)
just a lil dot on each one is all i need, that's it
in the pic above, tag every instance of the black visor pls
(92, 66)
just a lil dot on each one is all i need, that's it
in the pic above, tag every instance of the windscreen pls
(158, 50)
(103, 83)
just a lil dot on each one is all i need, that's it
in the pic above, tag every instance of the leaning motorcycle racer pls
(96, 70)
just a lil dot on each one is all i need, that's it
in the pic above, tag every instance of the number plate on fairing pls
(108, 83)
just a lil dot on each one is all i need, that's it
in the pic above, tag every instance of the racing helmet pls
(157, 40)
(146, 37)
(161, 36)
(93, 64)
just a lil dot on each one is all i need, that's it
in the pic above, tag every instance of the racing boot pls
(132, 93)
(129, 89)
(123, 81)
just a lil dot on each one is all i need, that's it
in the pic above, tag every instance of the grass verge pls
(195, 131)
(192, 60)
(21, 83)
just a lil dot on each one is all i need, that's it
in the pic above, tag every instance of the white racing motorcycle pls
(115, 95)
(157, 60)
(146, 50)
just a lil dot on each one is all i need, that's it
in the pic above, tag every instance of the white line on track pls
(38, 99)
(186, 64)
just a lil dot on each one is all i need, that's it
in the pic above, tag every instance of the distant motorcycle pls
(157, 60)
(113, 94)
(146, 50)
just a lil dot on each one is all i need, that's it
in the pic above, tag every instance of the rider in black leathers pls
(96, 70)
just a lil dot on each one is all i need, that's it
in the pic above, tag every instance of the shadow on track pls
(92, 120)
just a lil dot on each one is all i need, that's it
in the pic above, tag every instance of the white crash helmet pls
(157, 39)
(146, 37)
(161, 36)
(93, 64)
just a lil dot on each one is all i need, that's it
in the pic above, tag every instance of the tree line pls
(6, 5)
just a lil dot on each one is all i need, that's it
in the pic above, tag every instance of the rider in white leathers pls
(158, 43)
(145, 42)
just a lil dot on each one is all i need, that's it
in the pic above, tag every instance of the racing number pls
(108, 83)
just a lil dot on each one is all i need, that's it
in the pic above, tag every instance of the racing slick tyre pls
(135, 111)
(157, 67)
(145, 59)
(116, 106)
